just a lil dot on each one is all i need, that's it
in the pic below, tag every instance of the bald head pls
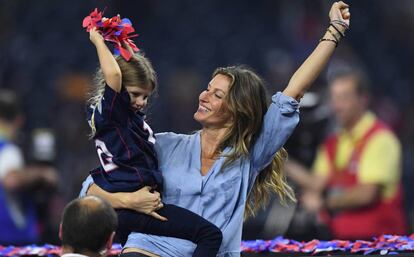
(92, 203)
(87, 224)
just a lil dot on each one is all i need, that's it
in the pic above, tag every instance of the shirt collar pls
(361, 127)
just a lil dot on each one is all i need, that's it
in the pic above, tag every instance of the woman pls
(236, 154)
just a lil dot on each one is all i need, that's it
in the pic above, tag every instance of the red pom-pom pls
(115, 30)
(92, 20)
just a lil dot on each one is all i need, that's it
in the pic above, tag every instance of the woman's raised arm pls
(307, 73)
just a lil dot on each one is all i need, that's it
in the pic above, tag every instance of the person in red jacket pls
(354, 185)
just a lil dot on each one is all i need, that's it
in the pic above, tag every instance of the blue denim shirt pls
(219, 196)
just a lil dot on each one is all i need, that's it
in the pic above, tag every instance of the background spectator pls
(19, 184)
(357, 170)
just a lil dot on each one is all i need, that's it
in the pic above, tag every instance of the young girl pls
(125, 146)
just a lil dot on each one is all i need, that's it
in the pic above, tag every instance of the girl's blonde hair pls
(247, 104)
(138, 71)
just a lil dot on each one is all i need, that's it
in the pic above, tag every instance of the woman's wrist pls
(330, 38)
(340, 25)
(335, 32)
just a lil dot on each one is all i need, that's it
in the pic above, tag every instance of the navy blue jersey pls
(125, 145)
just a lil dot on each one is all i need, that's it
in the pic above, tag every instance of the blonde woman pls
(226, 170)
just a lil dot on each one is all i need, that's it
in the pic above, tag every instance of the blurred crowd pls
(47, 59)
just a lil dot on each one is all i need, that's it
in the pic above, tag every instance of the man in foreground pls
(88, 227)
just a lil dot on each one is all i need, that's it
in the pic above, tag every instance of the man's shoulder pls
(384, 137)
(11, 158)
(9, 148)
(382, 133)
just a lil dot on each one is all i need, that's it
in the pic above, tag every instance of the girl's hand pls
(95, 36)
(340, 12)
(144, 201)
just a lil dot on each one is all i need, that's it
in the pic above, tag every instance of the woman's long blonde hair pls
(247, 104)
(138, 71)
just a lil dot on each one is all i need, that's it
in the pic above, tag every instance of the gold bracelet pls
(334, 35)
(342, 23)
(337, 30)
(330, 40)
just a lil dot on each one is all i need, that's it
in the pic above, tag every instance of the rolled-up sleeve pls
(279, 122)
(85, 186)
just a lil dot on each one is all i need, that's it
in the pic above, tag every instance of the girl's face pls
(139, 96)
(212, 110)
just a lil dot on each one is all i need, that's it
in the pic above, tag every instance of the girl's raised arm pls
(110, 68)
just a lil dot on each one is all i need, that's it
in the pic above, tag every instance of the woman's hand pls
(95, 36)
(144, 201)
(339, 14)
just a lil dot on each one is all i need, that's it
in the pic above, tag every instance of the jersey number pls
(105, 156)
